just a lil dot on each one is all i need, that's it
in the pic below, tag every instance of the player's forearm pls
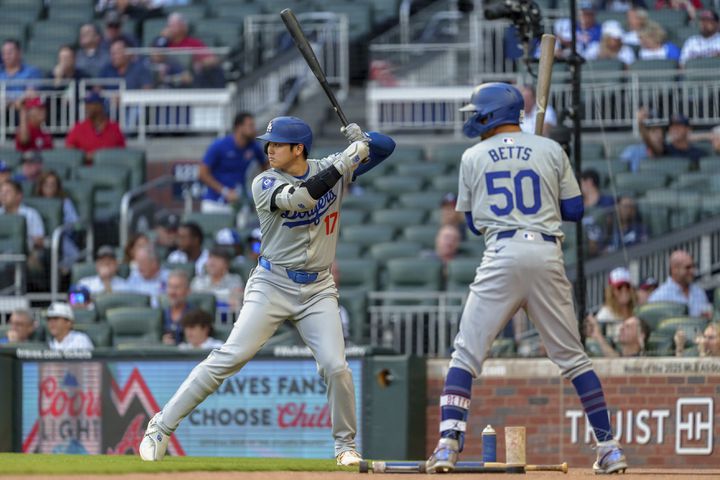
(381, 147)
(306, 196)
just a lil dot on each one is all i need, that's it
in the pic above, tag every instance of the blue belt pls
(511, 233)
(294, 275)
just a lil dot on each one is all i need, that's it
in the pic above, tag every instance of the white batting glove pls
(351, 157)
(354, 133)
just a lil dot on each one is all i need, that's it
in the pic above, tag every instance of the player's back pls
(515, 181)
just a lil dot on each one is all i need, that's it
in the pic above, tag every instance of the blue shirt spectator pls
(226, 162)
(680, 287)
(588, 30)
(122, 65)
(628, 230)
(13, 68)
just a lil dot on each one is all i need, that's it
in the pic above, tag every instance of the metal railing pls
(135, 200)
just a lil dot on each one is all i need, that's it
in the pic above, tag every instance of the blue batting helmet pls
(492, 105)
(288, 130)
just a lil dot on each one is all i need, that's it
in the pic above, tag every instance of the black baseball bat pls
(306, 50)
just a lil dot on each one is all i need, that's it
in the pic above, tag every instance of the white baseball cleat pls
(155, 442)
(349, 458)
(610, 458)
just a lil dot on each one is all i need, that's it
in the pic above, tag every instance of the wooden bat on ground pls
(460, 467)
(544, 74)
(301, 41)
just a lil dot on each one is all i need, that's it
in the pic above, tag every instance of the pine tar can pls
(489, 445)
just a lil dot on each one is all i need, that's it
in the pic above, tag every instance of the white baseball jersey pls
(515, 181)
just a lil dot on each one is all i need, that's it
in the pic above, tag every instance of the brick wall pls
(644, 395)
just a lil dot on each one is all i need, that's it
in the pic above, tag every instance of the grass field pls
(18, 463)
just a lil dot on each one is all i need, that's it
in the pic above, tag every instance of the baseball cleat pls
(444, 457)
(349, 458)
(155, 442)
(610, 458)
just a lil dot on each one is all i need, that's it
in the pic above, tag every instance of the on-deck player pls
(298, 203)
(515, 188)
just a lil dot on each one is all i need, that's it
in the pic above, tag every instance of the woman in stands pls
(136, 243)
(619, 302)
(49, 185)
(653, 45)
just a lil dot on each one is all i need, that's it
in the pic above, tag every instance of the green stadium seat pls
(692, 326)
(503, 348)
(710, 205)
(656, 312)
(406, 274)
(670, 166)
(366, 235)
(446, 183)
(22, 13)
(107, 301)
(398, 185)
(106, 177)
(382, 170)
(702, 69)
(12, 157)
(100, 333)
(210, 223)
(45, 61)
(710, 164)
(397, 217)
(692, 180)
(656, 217)
(629, 182)
(670, 20)
(460, 274)
(322, 152)
(473, 248)
(408, 154)
(591, 150)
(592, 347)
(369, 201)
(14, 29)
(385, 251)
(82, 270)
(422, 234)
(602, 66)
(355, 302)
(449, 154)
(50, 209)
(132, 158)
(656, 71)
(220, 32)
(425, 169)
(69, 157)
(203, 300)
(352, 217)
(659, 345)
(357, 274)
(361, 14)
(221, 331)
(192, 13)
(138, 325)
(82, 195)
(152, 28)
(237, 12)
(84, 316)
(348, 250)
(66, 13)
(13, 234)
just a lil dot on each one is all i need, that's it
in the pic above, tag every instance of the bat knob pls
(363, 467)
(565, 467)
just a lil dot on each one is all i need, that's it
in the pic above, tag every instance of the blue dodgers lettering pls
(313, 215)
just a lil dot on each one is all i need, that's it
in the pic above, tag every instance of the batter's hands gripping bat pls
(307, 52)
(544, 74)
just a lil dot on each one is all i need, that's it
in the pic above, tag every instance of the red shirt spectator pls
(97, 131)
(176, 32)
(31, 132)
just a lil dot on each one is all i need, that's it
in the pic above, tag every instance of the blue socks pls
(591, 395)
(454, 404)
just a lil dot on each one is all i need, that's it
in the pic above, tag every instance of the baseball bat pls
(301, 41)
(544, 74)
(460, 467)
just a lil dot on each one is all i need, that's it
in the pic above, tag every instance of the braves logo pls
(312, 216)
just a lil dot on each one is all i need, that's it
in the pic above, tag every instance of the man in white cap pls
(60, 320)
(610, 46)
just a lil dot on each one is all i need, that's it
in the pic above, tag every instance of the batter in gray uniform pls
(515, 188)
(298, 204)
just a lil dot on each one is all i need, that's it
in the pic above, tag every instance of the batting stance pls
(298, 203)
(515, 188)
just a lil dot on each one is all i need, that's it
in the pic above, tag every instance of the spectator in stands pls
(31, 134)
(123, 65)
(190, 240)
(206, 66)
(197, 330)
(707, 43)
(96, 131)
(679, 141)
(707, 342)
(653, 44)
(610, 46)
(590, 187)
(149, 278)
(135, 243)
(31, 167)
(450, 216)
(632, 337)
(646, 288)
(689, 6)
(628, 230)
(79, 298)
(344, 315)
(588, 30)
(254, 242)
(636, 19)
(167, 71)
(166, 232)
(90, 56)
(11, 197)
(528, 123)
(225, 165)
(227, 287)
(13, 68)
(619, 301)
(652, 132)
(230, 239)
(620, 5)
(60, 320)
(22, 327)
(680, 286)
(447, 246)
(49, 185)
(107, 279)
(113, 31)
(595, 204)
(66, 68)
(178, 289)
(5, 171)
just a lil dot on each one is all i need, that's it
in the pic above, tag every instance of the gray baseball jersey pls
(513, 184)
(299, 240)
(515, 180)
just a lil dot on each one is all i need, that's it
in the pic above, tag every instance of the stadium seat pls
(710, 205)
(21, 11)
(629, 182)
(124, 157)
(13, 234)
(220, 32)
(368, 201)
(106, 177)
(602, 66)
(203, 300)
(414, 274)
(137, 325)
(100, 333)
(428, 200)
(702, 69)
(82, 195)
(424, 170)
(152, 29)
(107, 301)
(449, 154)
(12, 157)
(460, 274)
(503, 348)
(14, 29)
(237, 12)
(82, 270)
(473, 247)
(357, 274)
(192, 13)
(670, 20)
(655, 217)
(446, 183)
(45, 61)
(592, 347)
(659, 345)
(384, 169)
(355, 302)
(210, 223)
(349, 216)
(692, 326)
(50, 209)
(408, 154)
(384, 251)
(398, 185)
(654, 313)
(656, 71)
(670, 166)
(710, 164)
(84, 315)
(422, 234)
(366, 235)
(347, 249)
(397, 217)
(692, 180)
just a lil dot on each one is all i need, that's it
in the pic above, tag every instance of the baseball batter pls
(298, 203)
(516, 188)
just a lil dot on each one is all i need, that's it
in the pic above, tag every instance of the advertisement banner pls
(271, 408)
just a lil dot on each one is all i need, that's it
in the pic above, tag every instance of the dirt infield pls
(644, 474)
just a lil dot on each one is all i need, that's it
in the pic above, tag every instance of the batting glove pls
(351, 157)
(354, 133)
